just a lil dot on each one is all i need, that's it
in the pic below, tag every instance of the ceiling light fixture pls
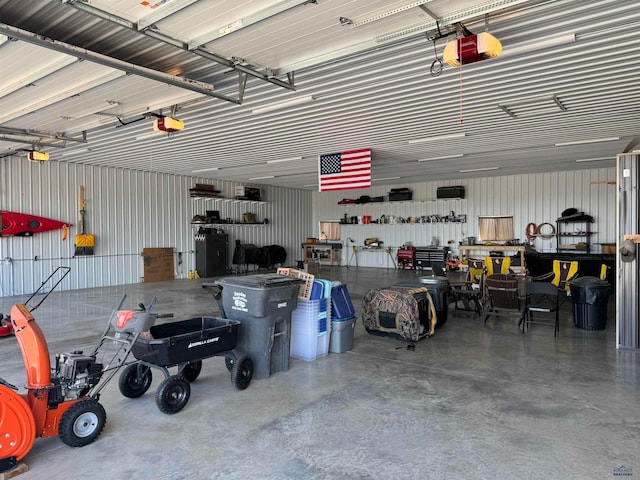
(450, 136)
(262, 178)
(212, 169)
(445, 157)
(279, 106)
(541, 44)
(385, 178)
(581, 142)
(74, 152)
(290, 159)
(312, 185)
(478, 169)
(594, 159)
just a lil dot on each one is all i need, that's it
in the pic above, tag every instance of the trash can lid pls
(437, 281)
(263, 280)
(589, 282)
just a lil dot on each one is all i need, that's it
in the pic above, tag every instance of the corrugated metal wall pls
(628, 274)
(538, 198)
(127, 210)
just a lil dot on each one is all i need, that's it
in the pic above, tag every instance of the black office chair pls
(542, 306)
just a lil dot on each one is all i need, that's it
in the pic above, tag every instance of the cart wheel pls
(173, 394)
(229, 360)
(135, 380)
(17, 424)
(242, 372)
(82, 423)
(191, 370)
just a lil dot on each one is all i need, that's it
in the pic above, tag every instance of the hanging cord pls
(460, 71)
(436, 65)
(550, 234)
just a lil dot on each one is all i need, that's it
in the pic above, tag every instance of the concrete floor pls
(473, 402)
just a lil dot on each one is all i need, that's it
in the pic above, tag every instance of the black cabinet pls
(212, 255)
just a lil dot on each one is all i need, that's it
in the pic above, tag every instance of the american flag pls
(345, 170)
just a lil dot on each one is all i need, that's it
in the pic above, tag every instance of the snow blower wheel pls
(82, 423)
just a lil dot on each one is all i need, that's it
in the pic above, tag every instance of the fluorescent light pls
(212, 169)
(385, 178)
(153, 134)
(75, 152)
(290, 159)
(478, 169)
(439, 137)
(540, 44)
(262, 178)
(580, 142)
(312, 185)
(281, 105)
(458, 155)
(594, 159)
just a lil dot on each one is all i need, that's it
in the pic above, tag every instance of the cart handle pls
(66, 271)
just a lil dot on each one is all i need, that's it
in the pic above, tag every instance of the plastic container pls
(590, 296)
(437, 287)
(341, 305)
(342, 335)
(263, 304)
(309, 346)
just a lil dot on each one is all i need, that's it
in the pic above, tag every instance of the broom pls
(84, 241)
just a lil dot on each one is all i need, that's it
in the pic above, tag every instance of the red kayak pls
(25, 225)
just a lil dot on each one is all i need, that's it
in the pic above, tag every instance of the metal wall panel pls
(628, 281)
(127, 210)
(538, 198)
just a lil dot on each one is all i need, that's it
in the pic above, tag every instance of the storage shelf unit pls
(229, 212)
(562, 232)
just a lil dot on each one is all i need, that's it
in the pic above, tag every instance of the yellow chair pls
(497, 265)
(604, 272)
(562, 274)
(476, 271)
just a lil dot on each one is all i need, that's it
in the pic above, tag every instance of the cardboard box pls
(158, 264)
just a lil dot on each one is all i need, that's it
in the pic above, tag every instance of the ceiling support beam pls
(181, 82)
(35, 133)
(197, 50)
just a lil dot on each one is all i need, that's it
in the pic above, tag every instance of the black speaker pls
(450, 192)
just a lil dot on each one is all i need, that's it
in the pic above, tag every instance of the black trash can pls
(437, 287)
(590, 296)
(263, 304)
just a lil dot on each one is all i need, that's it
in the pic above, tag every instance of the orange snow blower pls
(62, 401)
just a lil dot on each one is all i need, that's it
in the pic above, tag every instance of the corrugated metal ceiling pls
(370, 81)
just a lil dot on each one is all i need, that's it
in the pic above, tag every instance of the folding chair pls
(497, 265)
(562, 274)
(542, 299)
(503, 297)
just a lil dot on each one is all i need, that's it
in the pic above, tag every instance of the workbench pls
(323, 252)
(465, 249)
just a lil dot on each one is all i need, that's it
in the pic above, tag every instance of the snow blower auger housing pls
(62, 401)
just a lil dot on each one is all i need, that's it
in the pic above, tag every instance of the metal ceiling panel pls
(580, 55)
